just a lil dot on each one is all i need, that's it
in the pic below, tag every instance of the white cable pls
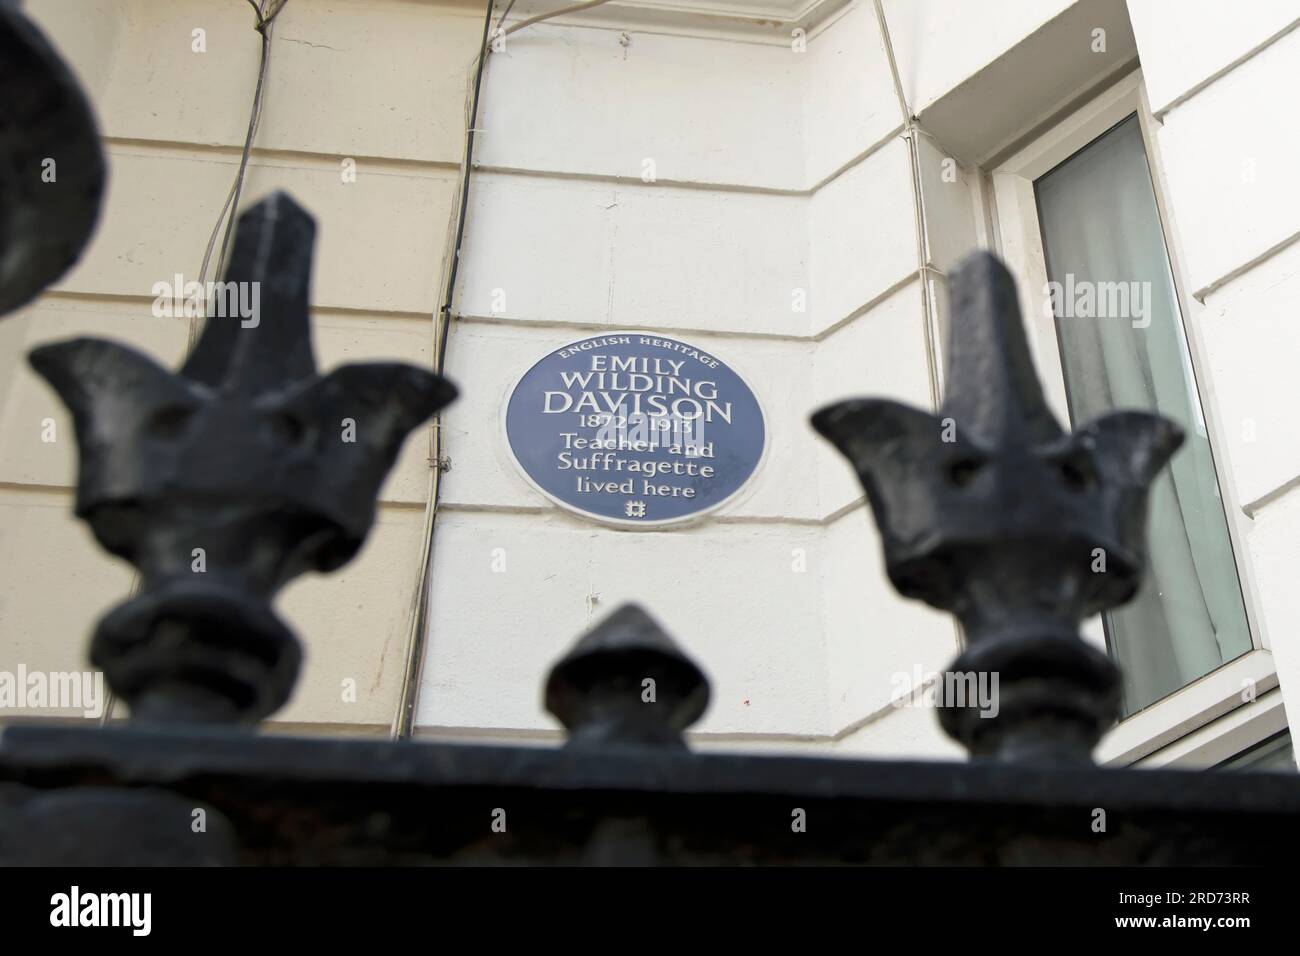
(404, 719)
(266, 14)
(576, 8)
(910, 129)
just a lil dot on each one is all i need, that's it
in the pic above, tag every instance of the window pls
(1079, 217)
(1274, 753)
(1123, 345)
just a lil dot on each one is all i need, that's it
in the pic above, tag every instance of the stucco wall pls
(379, 81)
(778, 169)
(760, 191)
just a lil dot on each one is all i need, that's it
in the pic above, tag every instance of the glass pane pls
(1275, 753)
(1123, 346)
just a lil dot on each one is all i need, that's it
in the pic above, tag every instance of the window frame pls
(1227, 737)
(1011, 214)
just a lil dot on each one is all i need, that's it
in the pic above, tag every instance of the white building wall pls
(778, 170)
(1221, 80)
(781, 170)
(380, 81)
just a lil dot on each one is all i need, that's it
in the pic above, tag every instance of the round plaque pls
(635, 429)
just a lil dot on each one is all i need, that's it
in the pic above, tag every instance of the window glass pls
(1275, 753)
(1123, 346)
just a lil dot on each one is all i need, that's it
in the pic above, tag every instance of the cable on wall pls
(265, 26)
(923, 267)
(576, 8)
(266, 14)
(404, 718)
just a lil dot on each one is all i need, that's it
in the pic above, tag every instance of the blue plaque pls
(635, 429)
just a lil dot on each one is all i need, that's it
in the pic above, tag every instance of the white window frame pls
(1181, 727)
(1225, 738)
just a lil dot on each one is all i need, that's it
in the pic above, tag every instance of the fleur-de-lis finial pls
(223, 482)
(990, 511)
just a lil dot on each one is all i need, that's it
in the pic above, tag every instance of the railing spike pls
(224, 482)
(627, 682)
(988, 510)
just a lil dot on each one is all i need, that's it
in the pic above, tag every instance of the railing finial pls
(989, 510)
(627, 682)
(54, 169)
(225, 481)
